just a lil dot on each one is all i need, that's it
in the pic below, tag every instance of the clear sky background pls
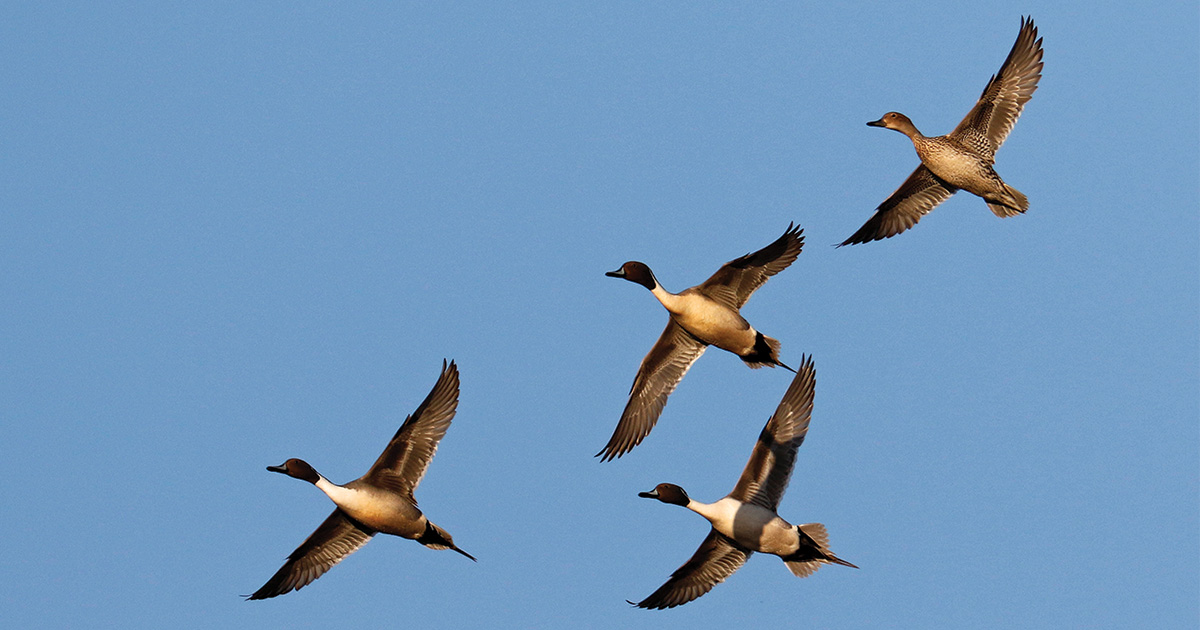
(233, 233)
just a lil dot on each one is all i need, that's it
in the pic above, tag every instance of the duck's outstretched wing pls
(661, 371)
(919, 194)
(738, 279)
(987, 125)
(406, 458)
(766, 475)
(716, 559)
(336, 538)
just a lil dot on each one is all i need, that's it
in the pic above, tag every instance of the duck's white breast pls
(752, 526)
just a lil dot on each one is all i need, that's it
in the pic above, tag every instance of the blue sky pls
(235, 234)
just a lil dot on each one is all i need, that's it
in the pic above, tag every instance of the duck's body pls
(746, 520)
(752, 526)
(963, 159)
(961, 165)
(380, 501)
(704, 315)
(714, 323)
(380, 510)
(956, 164)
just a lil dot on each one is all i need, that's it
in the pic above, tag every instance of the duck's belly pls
(716, 324)
(383, 512)
(959, 169)
(407, 523)
(756, 528)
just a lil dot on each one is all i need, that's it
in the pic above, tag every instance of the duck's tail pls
(1009, 203)
(814, 551)
(435, 537)
(765, 352)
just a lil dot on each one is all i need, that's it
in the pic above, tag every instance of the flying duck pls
(745, 520)
(704, 315)
(380, 501)
(963, 158)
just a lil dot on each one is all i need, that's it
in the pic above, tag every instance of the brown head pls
(897, 121)
(297, 468)
(667, 493)
(635, 271)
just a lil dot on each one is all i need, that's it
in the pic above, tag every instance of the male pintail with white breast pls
(380, 501)
(746, 520)
(704, 315)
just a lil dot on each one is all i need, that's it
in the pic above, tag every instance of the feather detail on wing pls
(336, 538)
(919, 194)
(988, 124)
(766, 475)
(717, 558)
(738, 279)
(403, 463)
(661, 371)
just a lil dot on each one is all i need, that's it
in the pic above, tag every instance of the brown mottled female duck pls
(963, 158)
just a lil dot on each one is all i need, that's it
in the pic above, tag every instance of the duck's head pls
(895, 120)
(297, 468)
(667, 493)
(635, 271)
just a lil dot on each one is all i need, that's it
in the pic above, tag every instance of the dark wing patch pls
(766, 476)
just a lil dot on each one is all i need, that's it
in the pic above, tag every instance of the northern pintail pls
(963, 158)
(745, 520)
(380, 501)
(707, 314)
